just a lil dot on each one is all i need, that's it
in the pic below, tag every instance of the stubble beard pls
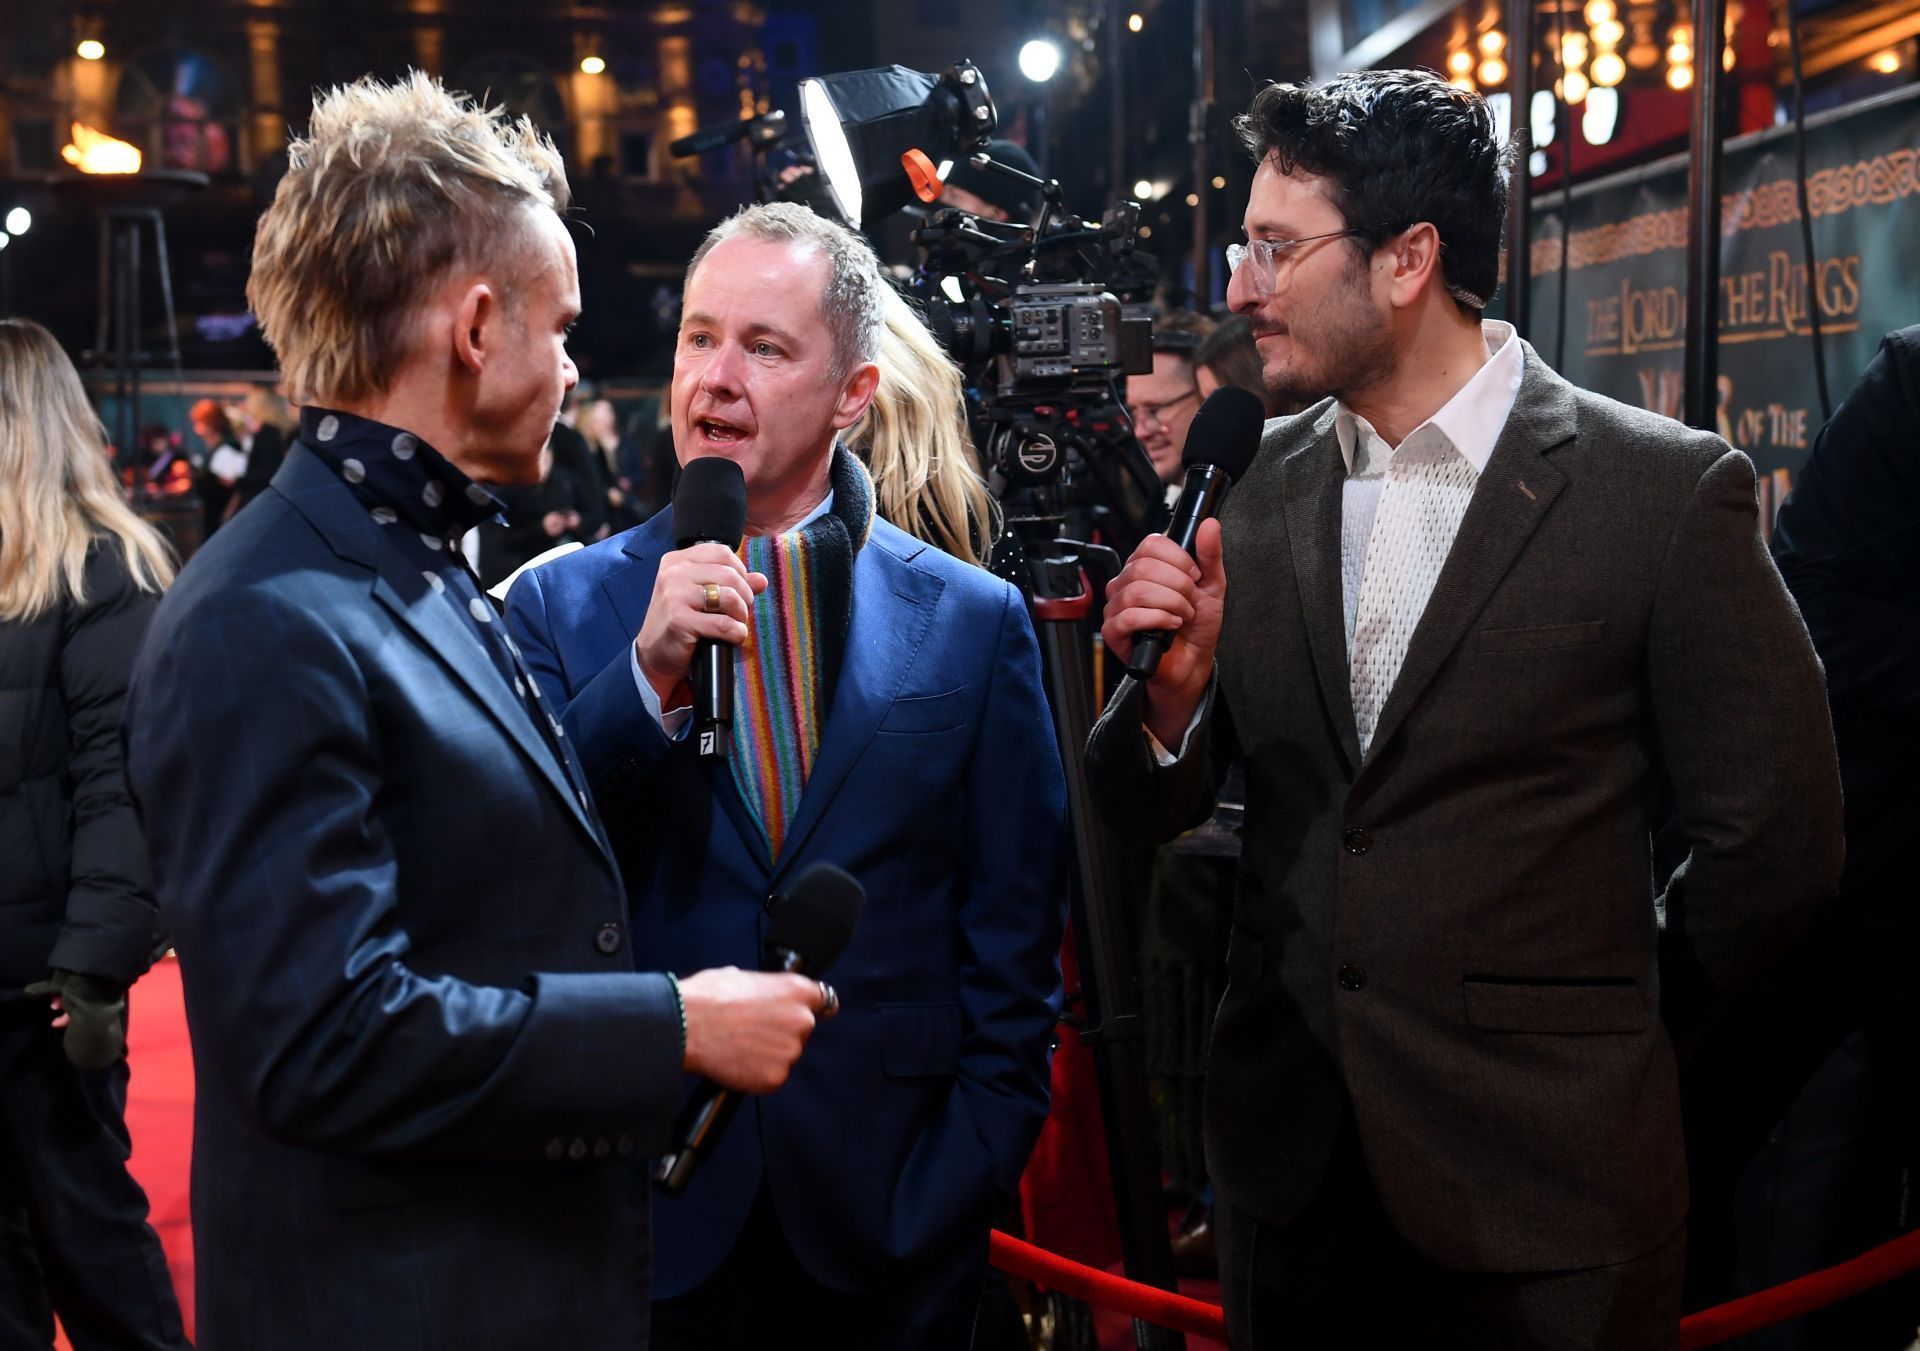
(1349, 344)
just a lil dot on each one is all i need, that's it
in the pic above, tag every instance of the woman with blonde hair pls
(80, 576)
(915, 441)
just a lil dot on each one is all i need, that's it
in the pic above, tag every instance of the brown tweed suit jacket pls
(1455, 938)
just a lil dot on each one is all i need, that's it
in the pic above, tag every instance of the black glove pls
(96, 1017)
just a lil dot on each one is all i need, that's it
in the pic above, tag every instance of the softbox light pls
(860, 124)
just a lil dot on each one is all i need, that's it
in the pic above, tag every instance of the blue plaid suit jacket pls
(428, 1073)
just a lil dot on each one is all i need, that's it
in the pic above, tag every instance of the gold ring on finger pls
(713, 599)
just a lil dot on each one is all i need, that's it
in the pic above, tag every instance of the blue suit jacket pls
(937, 785)
(428, 1075)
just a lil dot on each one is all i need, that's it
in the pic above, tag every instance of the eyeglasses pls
(1155, 411)
(1265, 255)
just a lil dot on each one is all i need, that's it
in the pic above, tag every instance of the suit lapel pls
(355, 536)
(1312, 480)
(893, 605)
(630, 592)
(1514, 492)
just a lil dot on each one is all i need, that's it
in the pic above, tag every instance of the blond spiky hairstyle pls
(392, 186)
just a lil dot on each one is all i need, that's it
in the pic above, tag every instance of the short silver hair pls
(852, 301)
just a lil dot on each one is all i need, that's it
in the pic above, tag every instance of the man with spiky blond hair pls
(429, 1073)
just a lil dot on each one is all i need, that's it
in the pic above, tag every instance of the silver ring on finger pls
(829, 1000)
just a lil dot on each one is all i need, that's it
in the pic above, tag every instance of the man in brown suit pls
(1477, 620)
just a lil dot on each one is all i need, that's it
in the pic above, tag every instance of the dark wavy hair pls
(1398, 147)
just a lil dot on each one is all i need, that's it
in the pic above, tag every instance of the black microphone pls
(766, 126)
(1221, 442)
(809, 928)
(710, 503)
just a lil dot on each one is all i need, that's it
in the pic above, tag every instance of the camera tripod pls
(1058, 577)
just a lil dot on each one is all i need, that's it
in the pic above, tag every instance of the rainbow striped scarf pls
(779, 679)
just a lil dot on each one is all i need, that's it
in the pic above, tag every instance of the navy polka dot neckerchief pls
(426, 503)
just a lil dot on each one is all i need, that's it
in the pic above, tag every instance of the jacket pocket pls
(1494, 1004)
(1545, 636)
(927, 712)
(919, 1039)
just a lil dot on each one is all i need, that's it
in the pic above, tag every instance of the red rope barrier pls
(1874, 1267)
(1709, 1327)
(1161, 1307)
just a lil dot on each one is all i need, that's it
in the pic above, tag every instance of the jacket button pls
(1353, 977)
(773, 899)
(607, 940)
(1357, 841)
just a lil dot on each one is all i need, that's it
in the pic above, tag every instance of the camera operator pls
(1163, 401)
(997, 197)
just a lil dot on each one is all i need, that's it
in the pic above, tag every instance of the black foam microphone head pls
(711, 502)
(1225, 431)
(816, 916)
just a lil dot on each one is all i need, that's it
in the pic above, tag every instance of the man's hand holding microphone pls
(702, 593)
(1163, 610)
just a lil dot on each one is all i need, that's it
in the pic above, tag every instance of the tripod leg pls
(1113, 1028)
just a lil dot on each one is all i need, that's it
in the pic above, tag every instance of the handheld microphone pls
(1221, 444)
(810, 927)
(710, 503)
(765, 127)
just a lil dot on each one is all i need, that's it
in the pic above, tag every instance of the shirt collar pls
(396, 475)
(1471, 421)
(826, 505)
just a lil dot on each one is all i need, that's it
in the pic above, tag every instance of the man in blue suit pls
(889, 718)
(429, 1074)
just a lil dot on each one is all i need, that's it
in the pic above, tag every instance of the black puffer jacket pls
(74, 890)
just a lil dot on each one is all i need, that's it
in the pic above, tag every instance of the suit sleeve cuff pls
(1161, 755)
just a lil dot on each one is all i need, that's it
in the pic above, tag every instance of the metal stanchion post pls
(1700, 368)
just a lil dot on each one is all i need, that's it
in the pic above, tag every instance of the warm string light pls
(1486, 71)
(94, 152)
(1680, 57)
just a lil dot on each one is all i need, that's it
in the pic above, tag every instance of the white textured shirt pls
(1470, 422)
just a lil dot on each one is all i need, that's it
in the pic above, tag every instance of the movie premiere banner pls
(1627, 268)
